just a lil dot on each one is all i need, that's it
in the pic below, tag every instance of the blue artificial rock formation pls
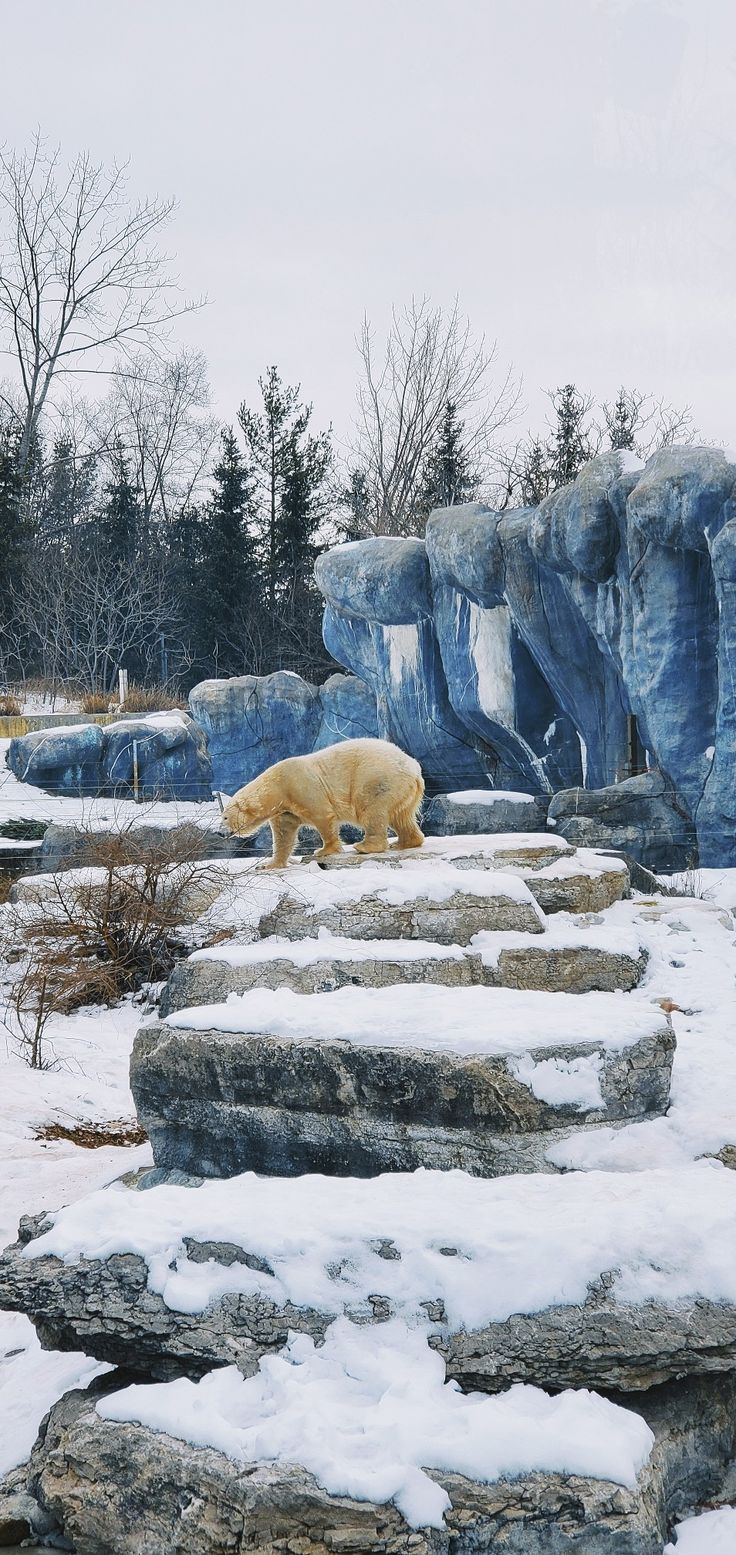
(525, 649)
(94, 759)
(252, 721)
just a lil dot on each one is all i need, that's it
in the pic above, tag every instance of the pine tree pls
(68, 491)
(623, 419)
(119, 520)
(572, 444)
(448, 477)
(14, 528)
(290, 468)
(229, 571)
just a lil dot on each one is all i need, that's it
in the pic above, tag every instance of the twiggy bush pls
(105, 930)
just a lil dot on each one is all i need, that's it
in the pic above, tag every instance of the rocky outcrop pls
(604, 1336)
(251, 721)
(324, 964)
(641, 817)
(267, 1085)
(525, 643)
(100, 1478)
(169, 749)
(484, 811)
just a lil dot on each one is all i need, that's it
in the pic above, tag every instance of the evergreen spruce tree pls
(68, 491)
(119, 520)
(290, 467)
(571, 444)
(228, 564)
(623, 419)
(14, 527)
(448, 477)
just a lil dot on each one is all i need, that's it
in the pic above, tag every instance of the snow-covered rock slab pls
(586, 882)
(423, 899)
(532, 850)
(104, 1479)
(567, 958)
(592, 1279)
(364, 1080)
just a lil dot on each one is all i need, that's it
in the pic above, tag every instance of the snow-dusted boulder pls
(104, 1477)
(94, 759)
(366, 1080)
(557, 1281)
(641, 817)
(251, 721)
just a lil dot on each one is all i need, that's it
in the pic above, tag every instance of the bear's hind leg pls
(409, 835)
(284, 830)
(330, 833)
(375, 825)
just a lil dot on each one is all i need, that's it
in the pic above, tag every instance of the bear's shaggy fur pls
(369, 782)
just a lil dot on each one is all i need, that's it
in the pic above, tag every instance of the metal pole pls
(135, 770)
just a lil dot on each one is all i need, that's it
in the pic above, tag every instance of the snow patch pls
(370, 1411)
(562, 1082)
(489, 796)
(470, 1021)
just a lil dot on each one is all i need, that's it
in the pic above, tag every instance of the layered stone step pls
(364, 1080)
(580, 1280)
(568, 958)
(421, 899)
(571, 1475)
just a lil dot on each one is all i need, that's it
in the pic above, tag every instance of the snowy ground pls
(692, 963)
(90, 1084)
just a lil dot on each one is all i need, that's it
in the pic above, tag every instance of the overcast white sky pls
(567, 167)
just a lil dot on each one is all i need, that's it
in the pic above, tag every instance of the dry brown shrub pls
(10, 706)
(153, 699)
(94, 702)
(104, 931)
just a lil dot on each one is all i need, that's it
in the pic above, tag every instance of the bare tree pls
(156, 413)
(81, 278)
(431, 359)
(83, 615)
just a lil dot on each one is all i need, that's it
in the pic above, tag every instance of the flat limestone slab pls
(420, 899)
(531, 850)
(362, 1080)
(586, 882)
(556, 1281)
(575, 959)
(104, 1481)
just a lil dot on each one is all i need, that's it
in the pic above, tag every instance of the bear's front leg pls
(284, 830)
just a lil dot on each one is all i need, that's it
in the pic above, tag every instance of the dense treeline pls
(135, 532)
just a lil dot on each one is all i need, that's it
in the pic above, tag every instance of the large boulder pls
(105, 1481)
(168, 749)
(252, 721)
(641, 817)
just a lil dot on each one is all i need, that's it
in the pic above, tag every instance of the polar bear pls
(368, 782)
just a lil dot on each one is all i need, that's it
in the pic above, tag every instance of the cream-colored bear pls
(368, 782)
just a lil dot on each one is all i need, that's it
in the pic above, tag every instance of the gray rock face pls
(450, 922)
(252, 721)
(104, 1481)
(90, 759)
(226, 1102)
(548, 967)
(641, 816)
(446, 816)
(70, 847)
(107, 1309)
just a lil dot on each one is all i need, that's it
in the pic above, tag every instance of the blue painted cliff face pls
(511, 648)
